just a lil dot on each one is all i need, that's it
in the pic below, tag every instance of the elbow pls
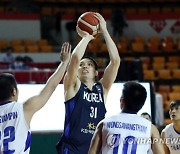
(116, 61)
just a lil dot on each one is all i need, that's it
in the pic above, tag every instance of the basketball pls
(89, 23)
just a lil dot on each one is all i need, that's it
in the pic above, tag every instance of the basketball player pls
(84, 97)
(126, 132)
(15, 118)
(171, 133)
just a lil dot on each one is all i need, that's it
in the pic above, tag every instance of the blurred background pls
(146, 32)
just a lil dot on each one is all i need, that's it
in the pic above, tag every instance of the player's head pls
(92, 60)
(88, 68)
(174, 110)
(8, 87)
(146, 116)
(133, 97)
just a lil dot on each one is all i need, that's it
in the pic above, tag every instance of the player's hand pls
(65, 52)
(82, 33)
(102, 23)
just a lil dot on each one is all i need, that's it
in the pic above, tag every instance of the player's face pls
(175, 113)
(87, 69)
(146, 117)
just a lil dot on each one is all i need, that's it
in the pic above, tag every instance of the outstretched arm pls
(35, 103)
(96, 142)
(71, 76)
(111, 70)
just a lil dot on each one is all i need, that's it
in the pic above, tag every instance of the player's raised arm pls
(71, 79)
(35, 103)
(111, 70)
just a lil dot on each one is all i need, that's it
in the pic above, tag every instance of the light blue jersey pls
(172, 139)
(15, 135)
(126, 134)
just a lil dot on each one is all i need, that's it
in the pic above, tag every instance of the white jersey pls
(126, 134)
(15, 135)
(172, 139)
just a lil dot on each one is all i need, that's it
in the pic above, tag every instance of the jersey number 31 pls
(93, 113)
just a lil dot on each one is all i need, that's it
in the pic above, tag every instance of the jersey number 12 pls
(9, 136)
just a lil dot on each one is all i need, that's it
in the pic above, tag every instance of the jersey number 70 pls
(129, 144)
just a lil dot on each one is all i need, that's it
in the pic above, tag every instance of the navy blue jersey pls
(83, 113)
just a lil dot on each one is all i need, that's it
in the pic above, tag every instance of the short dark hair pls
(94, 62)
(134, 96)
(7, 84)
(145, 113)
(175, 103)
